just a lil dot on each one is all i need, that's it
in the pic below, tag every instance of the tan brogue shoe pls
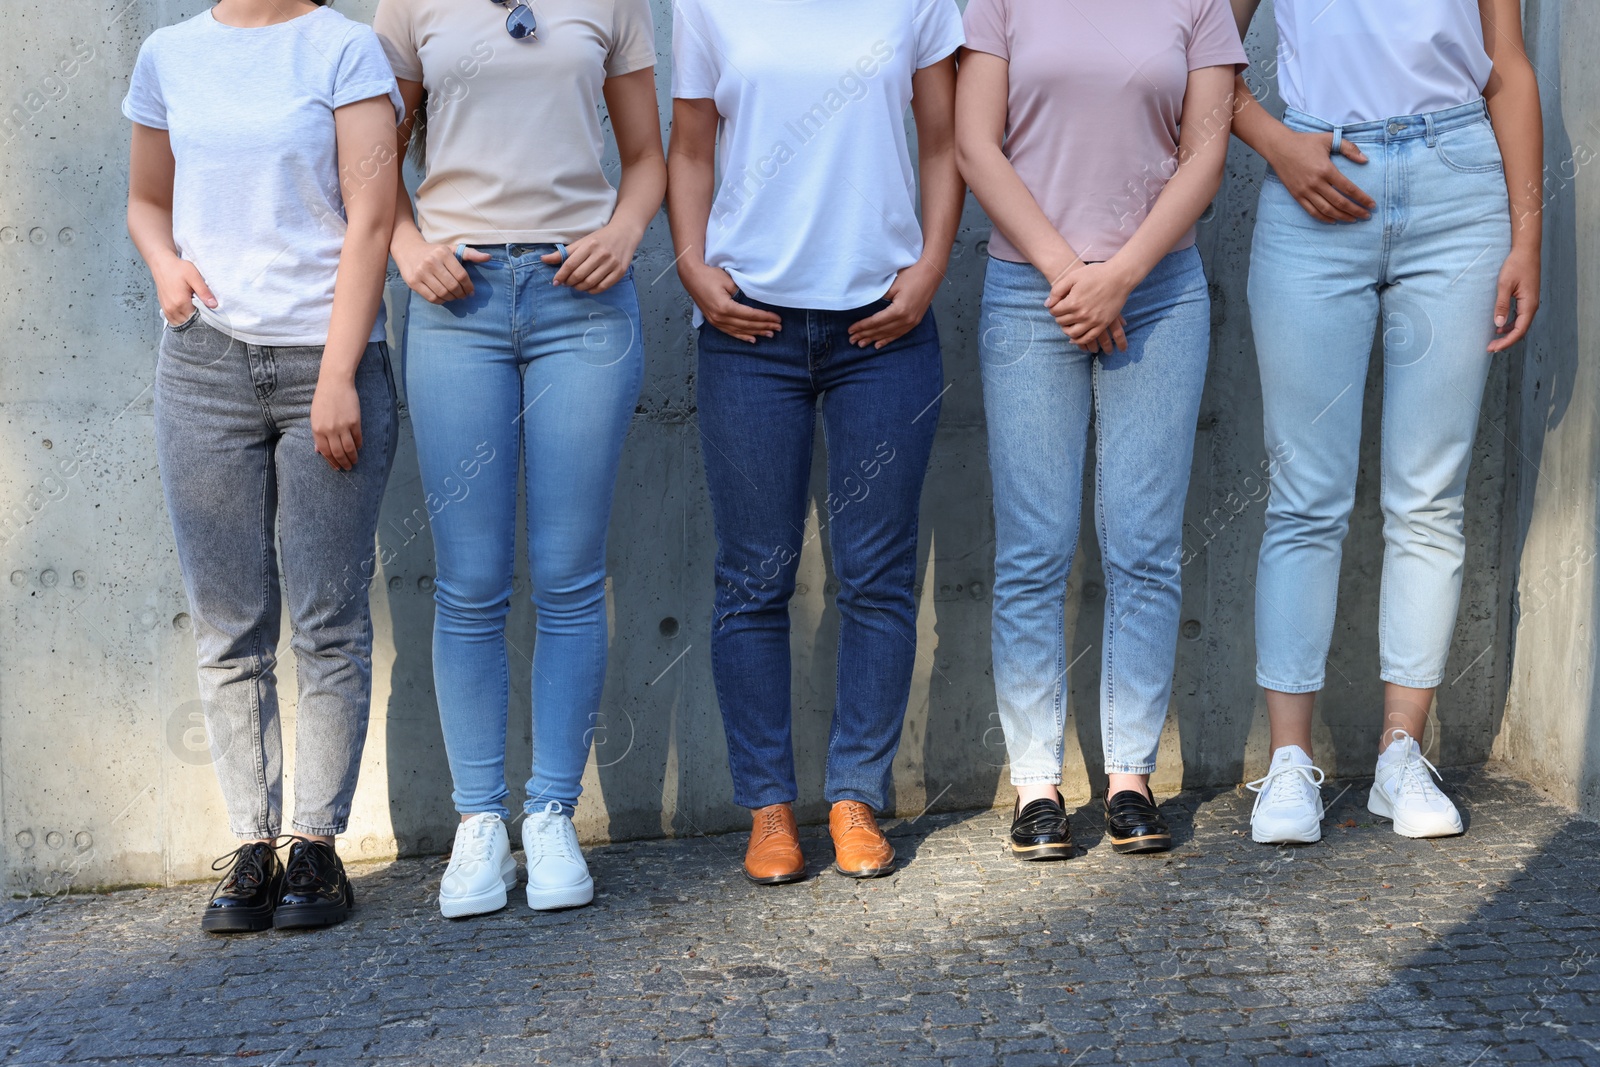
(859, 848)
(774, 853)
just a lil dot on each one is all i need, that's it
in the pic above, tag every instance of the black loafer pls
(1134, 823)
(244, 900)
(1040, 831)
(315, 889)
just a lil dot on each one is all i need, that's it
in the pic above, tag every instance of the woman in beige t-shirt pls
(522, 338)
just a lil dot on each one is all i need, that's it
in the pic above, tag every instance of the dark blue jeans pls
(758, 405)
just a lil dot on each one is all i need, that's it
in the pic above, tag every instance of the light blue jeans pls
(1428, 262)
(522, 369)
(1038, 393)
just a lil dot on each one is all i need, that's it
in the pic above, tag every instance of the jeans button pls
(1394, 127)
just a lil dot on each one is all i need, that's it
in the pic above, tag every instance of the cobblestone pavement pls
(1365, 949)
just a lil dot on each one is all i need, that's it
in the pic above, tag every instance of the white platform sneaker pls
(481, 868)
(1288, 807)
(1404, 791)
(557, 875)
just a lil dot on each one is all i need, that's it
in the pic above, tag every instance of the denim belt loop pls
(1338, 139)
(1432, 135)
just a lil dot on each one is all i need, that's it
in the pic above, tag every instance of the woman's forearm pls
(357, 296)
(1518, 127)
(150, 226)
(639, 193)
(1014, 211)
(691, 180)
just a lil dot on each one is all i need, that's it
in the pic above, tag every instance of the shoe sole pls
(480, 903)
(1381, 807)
(1143, 843)
(574, 896)
(1297, 836)
(866, 872)
(777, 879)
(237, 920)
(1037, 853)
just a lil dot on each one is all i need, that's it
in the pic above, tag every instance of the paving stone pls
(1364, 950)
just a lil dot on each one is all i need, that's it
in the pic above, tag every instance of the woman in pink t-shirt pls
(1094, 135)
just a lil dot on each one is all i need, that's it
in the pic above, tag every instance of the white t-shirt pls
(816, 201)
(256, 204)
(1350, 61)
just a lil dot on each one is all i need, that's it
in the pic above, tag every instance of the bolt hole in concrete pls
(669, 627)
(180, 621)
(1191, 629)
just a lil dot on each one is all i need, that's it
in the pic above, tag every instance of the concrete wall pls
(104, 770)
(1552, 731)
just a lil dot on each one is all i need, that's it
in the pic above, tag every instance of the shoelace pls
(246, 871)
(1313, 776)
(301, 874)
(479, 844)
(550, 832)
(857, 817)
(771, 822)
(1410, 779)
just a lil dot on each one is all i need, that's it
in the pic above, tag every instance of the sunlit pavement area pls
(1364, 949)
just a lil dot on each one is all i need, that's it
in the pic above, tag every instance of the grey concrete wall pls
(1552, 721)
(104, 774)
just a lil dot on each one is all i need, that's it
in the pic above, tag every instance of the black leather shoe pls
(1040, 831)
(244, 900)
(315, 889)
(1134, 823)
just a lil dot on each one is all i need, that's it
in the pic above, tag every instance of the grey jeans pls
(233, 435)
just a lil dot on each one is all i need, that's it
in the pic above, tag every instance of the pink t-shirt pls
(1096, 94)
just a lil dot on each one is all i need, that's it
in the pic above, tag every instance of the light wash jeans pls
(1038, 392)
(238, 461)
(1428, 262)
(520, 370)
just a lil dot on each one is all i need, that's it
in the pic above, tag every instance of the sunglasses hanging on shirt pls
(520, 23)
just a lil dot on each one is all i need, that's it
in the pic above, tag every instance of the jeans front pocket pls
(194, 317)
(1470, 150)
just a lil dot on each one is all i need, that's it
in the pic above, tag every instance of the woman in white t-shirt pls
(1405, 183)
(261, 195)
(522, 349)
(814, 279)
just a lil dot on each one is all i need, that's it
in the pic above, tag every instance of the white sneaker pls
(1288, 807)
(481, 868)
(1404, 792)
(557, 875)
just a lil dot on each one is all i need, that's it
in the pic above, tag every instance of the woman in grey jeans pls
(261, 195)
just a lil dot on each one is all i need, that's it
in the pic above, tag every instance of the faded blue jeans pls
(1427, 262)
(239, 463)
(525, 373)
(1039, 390)
(758, 412)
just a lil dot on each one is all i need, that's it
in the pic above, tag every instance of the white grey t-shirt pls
(256, 204)
(816, 200)
(1368, 60)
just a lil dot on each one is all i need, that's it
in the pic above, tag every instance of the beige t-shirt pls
(514, 142)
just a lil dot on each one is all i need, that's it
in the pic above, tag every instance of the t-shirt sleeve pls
(1214, 41)
(633, 38)
(364, 72)
(937, 25)
(144, 103)
(396, 27)
(695, 65)
(985, 26)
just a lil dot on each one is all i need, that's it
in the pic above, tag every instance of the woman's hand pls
(597, 262)
(1519, 281)
(909, 298)
(1087, 304)
(178, 285)
(432, 271)
(1304, 163)
(336, 422)
(712, 291)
